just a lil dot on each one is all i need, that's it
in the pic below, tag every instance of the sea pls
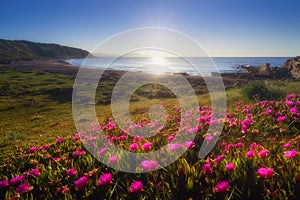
(172, 65)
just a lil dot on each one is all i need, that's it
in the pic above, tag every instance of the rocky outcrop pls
(293, 67)
(26, 50)
(267, 71)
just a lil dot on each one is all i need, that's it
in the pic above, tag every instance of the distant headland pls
(12, 50)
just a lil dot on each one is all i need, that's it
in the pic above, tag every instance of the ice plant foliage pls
(256, 157)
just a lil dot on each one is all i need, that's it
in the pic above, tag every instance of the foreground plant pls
(256, 157)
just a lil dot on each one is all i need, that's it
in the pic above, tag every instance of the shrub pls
(260, 90)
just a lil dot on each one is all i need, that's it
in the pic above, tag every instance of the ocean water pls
(171, 65)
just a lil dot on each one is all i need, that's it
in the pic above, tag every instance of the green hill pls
(21, 49)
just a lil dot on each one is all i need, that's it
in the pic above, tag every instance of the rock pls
(265, 69)
(282, 73)
(293, 67)
(249, 69)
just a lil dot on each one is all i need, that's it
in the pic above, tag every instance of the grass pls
(36, 107)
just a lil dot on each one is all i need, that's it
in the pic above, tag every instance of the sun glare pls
(158, 60)
(158, 65)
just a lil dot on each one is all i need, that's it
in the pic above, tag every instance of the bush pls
(260, 90)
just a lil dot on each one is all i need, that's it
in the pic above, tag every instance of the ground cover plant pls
(256, 157)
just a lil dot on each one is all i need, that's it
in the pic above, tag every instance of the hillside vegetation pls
(21, 49)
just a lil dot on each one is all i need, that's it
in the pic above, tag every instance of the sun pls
(158, 65)
(158, 60)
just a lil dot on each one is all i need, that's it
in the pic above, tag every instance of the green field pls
(255, 158)
(36, 107)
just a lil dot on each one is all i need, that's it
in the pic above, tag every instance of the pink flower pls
(4, 184)
(291, 154)
(222, 186)
(133, 147)
(219, 158)
(105, 179)
(194, 130)
(281, 119)
(102, 151)
(207, 169)
(17, 179)
(59, 140)
(174, 147)
(268, 112)
(113, 138)
(294, 110)
(212, 122)
(170, 138)
(209, 138)
(81, 182)
(289, 103)
(62, 190)
(239, 144)
(136, 187)
(71, 172)
(148, 165)
(230, 167)
(79, 152)
(56, 159)
(263, 153)
(34, 172)
(46, 147)
(113, 159)
(290, 96)
(265, 172)
(32, 149)
(76, 136)
(189, 144)
(255, 146)
(287, 145)
(229, 146)
(147, 146)
(250, 154)
(23, 188)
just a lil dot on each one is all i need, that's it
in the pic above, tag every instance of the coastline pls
(61, 67)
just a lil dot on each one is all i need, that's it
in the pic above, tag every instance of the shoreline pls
(60, 66)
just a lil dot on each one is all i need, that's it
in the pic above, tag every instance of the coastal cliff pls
(11, 50)
(290, 69)
(293, 66)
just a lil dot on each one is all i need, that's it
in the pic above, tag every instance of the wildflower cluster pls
(256, 157)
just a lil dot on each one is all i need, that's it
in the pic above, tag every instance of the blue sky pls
(223, 27)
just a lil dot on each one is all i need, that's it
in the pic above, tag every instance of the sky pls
(222, 27)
